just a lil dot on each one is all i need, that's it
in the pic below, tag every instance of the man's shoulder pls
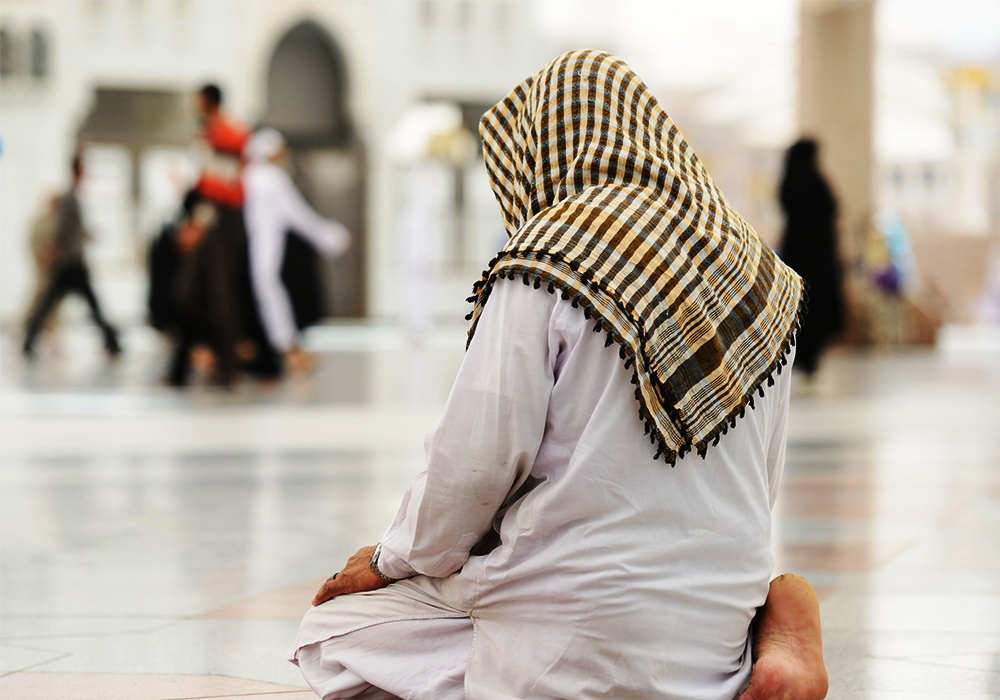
(226, 133)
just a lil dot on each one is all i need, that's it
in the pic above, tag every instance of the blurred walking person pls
(274, 208)
(225, 255)
(41, 242)
(809, 246)
(222, 141)
(68, 269)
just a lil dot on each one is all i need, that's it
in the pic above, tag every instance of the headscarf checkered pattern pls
(606, 204)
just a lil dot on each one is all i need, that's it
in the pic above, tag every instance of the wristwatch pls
(373, 565)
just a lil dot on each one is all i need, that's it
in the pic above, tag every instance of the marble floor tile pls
(250, 649)
(129, 686)
(15, 657)
(289, 603)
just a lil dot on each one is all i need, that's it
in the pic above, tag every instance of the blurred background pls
(902, 95)
(146, 530)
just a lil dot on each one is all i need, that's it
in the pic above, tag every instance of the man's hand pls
(355, 577)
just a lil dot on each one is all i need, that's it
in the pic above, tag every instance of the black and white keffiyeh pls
(606, 204)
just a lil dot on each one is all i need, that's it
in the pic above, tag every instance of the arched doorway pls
(307, 100)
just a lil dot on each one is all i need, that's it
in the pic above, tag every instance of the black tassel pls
(760, 390)
(502, 274)
(526, 280)
(468, 316)
(610, 339)
(552, 288)
(659, 451)
(638, 393)
(576, 302)
(750, 400)
(770, 382)
(471, 299)
(645, 428)
(597, 327)
(743, 412)
(629, 362)
(565, 294)
(586, 312)
(716, 440)
(621, 352)
(702, 451)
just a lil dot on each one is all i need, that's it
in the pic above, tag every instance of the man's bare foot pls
(299, 361)
(246, 350)
(202, 359)
(788, 644)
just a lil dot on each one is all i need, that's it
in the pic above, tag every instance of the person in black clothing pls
(200, 295)
(809, 246)
(69, 272)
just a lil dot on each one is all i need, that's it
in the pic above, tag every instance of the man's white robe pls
(273, 207)
(615, 576)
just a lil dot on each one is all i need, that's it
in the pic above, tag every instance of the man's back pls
(70, 234)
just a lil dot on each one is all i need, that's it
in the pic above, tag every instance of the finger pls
(330, 589)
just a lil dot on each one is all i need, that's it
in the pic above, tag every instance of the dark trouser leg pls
(49, 300)
(180, 362)
(80, 282)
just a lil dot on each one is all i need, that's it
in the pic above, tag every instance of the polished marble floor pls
(159, 545)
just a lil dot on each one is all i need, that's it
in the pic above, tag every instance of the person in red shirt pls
(224, 139)
(232, 324)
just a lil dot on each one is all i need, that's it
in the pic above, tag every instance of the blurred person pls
(274, 208)
(41, 242)
(897, 273)
(194, 300)
(68, 271)
(220, 274)
(989, 303)
(221, 143)
(546, 551)
(420, 241)
(809, 246)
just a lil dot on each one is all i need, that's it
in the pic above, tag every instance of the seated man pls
(565, 541)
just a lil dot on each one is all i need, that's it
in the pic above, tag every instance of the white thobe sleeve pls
(328, 236)
(485, 443)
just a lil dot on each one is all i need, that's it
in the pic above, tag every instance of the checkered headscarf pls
(606, 203)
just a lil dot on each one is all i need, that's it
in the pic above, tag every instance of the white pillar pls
(836, 68)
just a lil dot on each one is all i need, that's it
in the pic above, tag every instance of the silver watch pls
(373, 565)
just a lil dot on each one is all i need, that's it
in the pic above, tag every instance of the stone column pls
(836, 103)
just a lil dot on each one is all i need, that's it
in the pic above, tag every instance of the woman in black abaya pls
(809, 246)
